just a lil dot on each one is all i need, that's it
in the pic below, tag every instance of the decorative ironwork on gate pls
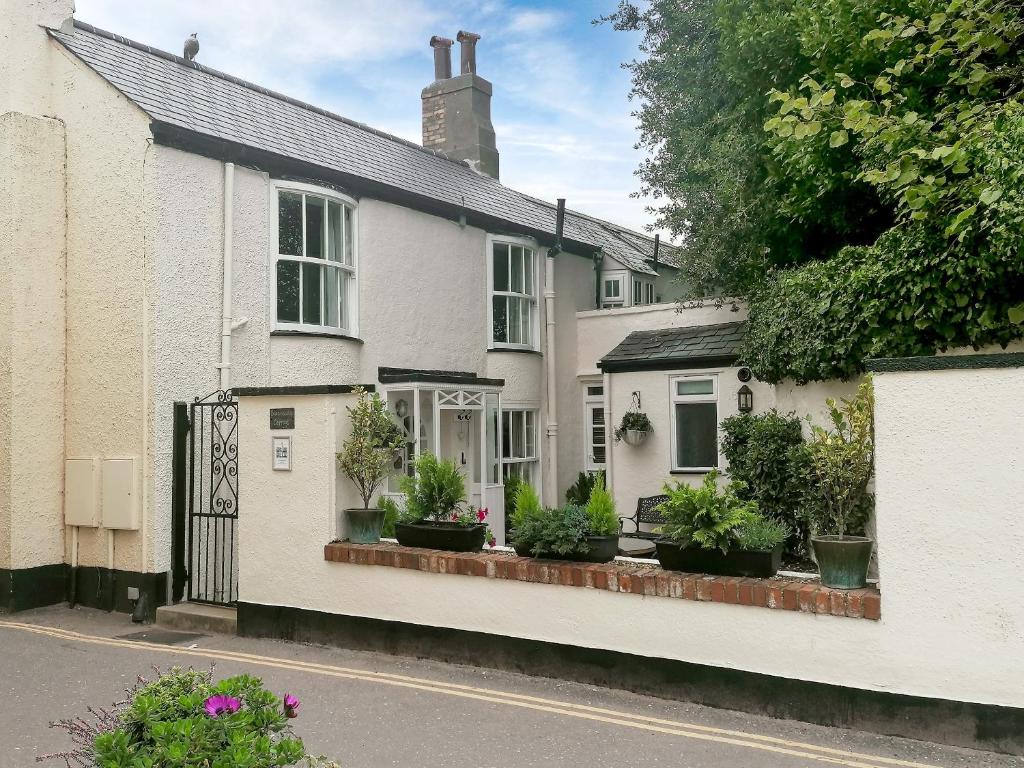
(213, 500)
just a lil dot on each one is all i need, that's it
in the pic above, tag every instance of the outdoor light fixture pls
(745, 399)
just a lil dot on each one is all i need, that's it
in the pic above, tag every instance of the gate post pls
(179, 482)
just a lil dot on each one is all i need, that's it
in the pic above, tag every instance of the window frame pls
(534, 298)
(646, 289)
(591, 403)
(533, 461)
(352, 283)
(619, 277)
(677, 399)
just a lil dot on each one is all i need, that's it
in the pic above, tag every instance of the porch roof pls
(420, 375)
(667, 348)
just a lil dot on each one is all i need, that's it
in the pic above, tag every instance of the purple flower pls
(291, 706)
(221, 704)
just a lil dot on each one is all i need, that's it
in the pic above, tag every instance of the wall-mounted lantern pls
(745, 399)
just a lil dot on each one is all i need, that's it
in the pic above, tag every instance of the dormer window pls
(513, 300)
(315, 265)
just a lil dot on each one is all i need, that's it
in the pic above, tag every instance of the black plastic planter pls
(735, 562)
(446, 536)
(603, 549)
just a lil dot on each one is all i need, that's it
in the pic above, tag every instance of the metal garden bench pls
(637, 543)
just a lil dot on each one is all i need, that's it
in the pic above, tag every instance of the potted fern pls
(585, 533)
(367, 457)
(840, 466)
(712, 530)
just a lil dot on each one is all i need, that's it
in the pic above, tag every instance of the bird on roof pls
(192, 46)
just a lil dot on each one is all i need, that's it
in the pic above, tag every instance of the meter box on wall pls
(82, 491)
(120, 494)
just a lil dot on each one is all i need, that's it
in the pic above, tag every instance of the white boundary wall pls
(950, 538)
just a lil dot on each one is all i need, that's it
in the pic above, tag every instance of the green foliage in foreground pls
(707, 516)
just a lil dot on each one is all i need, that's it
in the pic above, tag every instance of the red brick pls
(478, 565)
(424, 562)
(565, 574)
(759, 594)
(522, 569)
(650, 583)
(662, 580)
(873, 606)
(613, 579)
(823, 602)
(855, 603)
(731, 587)
(807, 596)
(790, 596)
(746, 592)
(675, 585)
(690, 587)
(717, 590)
(837, 602)
(601, 578)
(382, 557)
(625, 581)
(703, 590)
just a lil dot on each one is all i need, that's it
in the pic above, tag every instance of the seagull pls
(192, 46)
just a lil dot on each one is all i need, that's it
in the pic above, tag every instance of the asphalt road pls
(370, 710)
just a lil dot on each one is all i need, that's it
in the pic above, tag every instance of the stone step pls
(198, 617)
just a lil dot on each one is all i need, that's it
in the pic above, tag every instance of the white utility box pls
(120, 495)
(82, 492)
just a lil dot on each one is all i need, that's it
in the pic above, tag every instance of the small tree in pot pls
(367, 457)
(840, 463)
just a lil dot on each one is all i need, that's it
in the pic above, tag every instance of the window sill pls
(317, 335)
(517, 351)
(624, 577)
(693, 471)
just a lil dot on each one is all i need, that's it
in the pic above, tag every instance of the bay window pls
(315, 268)
(513, 307)
(519, 445)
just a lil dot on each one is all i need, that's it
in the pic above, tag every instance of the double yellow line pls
(566, 709)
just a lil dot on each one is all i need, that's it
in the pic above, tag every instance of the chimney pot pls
(442, 57)
(467, 41)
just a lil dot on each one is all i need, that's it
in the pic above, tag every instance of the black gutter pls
(946, 362)
(666, 364)
(415, 375)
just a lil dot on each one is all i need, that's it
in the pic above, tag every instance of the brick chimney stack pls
(457, 110)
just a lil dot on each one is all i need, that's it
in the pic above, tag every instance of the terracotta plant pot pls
(364, 525)
(447, 536)
(736, 562)
(843, 560)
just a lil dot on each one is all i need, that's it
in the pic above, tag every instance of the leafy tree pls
(852, 166)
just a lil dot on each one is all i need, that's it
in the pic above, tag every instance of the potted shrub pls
(634, 428)
(579, 492)
(840, 463)
(434, 516)
(367, 457)
(572, 532)
(712, 530)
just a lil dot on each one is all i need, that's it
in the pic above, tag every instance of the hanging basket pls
(635, 437)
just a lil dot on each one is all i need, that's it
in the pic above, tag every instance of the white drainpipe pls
(225, 326)
(550, 371)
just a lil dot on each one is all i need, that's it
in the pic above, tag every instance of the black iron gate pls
(213, 500)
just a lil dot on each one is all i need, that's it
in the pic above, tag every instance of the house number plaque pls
(282, 418)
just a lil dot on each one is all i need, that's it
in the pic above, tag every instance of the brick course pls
(777, 594)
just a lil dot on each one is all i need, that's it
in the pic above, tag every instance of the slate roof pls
(202, 101)
(676, 348)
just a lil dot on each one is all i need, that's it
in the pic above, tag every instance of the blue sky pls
(560, 107)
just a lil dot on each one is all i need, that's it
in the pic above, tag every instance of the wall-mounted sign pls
(281, 448)
(282, 418)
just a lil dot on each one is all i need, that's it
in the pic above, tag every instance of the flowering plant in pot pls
(367, 457)
(183, 718)
(634, 428)
(435, 515)
(712, 530)
(840, 464)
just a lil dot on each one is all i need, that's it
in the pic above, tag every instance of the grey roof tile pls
(201, 100)
(679, 346)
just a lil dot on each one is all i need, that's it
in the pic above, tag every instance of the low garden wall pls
(940, 660)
